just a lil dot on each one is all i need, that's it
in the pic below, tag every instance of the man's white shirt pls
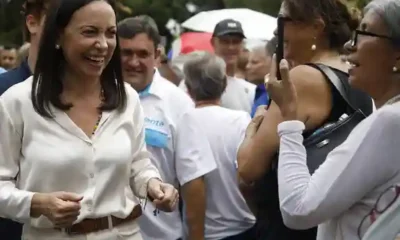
(163, 104)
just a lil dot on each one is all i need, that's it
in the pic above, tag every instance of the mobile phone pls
(279, 48)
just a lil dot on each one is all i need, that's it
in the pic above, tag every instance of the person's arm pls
(142, 170)
(15, 203)
(194, 193)
(367, 159)
(247, 190)
(314, 105)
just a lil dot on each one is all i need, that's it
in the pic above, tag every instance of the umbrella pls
(255, 25)
(190, 42)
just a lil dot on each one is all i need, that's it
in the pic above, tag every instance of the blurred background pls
(168, 14)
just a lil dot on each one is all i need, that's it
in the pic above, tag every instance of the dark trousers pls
(10, 230)
(246, 235)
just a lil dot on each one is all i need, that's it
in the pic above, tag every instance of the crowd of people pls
(102, 137)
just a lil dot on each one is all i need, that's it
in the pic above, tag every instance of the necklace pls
(96, 126)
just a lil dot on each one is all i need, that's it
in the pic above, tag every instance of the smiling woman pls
(313, 34)
(78, 46)
(378, 36)
(355, 185)
(76, 121)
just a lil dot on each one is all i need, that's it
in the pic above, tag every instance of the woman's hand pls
(61, 208)
(255, 123)
(282, 91)
(163, 195)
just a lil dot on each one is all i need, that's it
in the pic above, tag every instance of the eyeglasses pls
(385, 200)
(354, 38)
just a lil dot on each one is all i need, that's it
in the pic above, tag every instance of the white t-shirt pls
(227, 213)
(239, 94)
(163, 104)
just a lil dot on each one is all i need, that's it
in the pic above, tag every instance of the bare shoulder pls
(314, 94)
(307, 78)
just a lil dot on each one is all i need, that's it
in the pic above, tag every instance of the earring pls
(395, 69)
(314, 47)
(57, 46)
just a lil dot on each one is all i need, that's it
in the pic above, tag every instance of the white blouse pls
(45, 155)
(347, 185)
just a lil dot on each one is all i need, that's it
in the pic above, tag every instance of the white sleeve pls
(194, 157)
(365, 160)
(15, 204)
(142, 170)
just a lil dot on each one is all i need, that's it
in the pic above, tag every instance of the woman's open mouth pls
(95, 60)
(352, 63)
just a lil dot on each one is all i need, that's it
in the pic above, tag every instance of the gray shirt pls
(347, 185)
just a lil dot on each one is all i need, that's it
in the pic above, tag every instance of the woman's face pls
(298, 38)
(89, 40)
(372, 56)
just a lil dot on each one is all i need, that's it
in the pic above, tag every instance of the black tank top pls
(270, 225)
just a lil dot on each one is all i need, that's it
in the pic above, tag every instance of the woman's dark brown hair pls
(339, 22)
(47, 79)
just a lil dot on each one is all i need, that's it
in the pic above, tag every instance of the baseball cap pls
(227, 27)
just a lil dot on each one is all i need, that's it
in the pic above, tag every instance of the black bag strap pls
(336, 82)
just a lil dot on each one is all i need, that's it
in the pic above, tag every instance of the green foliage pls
(160, 10)
(362, 3)
(270, 7)
(10, 22)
